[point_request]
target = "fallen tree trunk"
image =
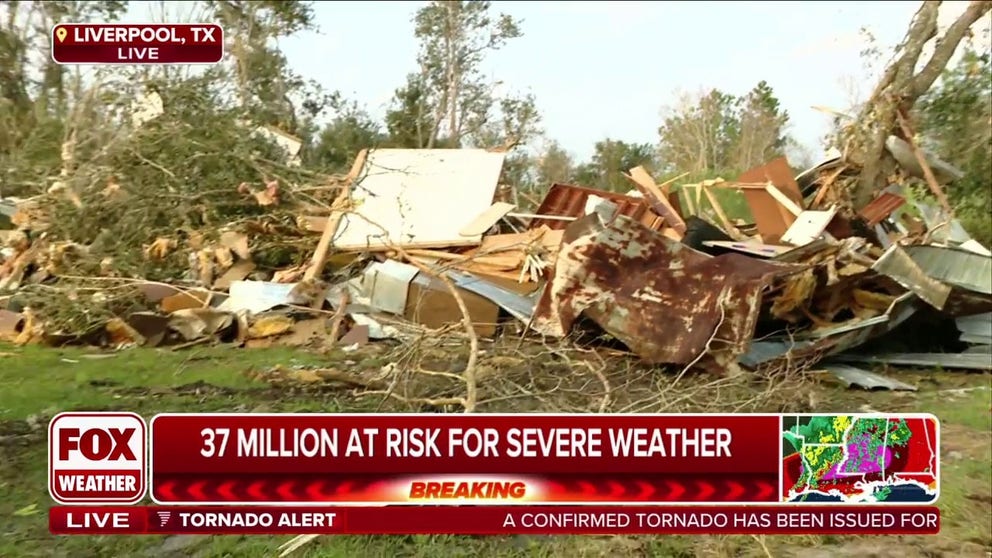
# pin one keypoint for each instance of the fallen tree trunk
(897, 91)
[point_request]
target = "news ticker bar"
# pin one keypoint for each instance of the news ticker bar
(167, 43)
(495, 520)
(521, 459)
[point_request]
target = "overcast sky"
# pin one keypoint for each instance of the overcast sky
(608, 69)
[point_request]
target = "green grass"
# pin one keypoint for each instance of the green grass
(36, 383)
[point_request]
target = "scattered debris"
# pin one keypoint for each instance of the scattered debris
(414, 242)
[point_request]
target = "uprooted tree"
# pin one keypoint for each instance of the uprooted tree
(893, 98)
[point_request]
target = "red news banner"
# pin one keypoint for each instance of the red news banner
(486, 459)
(494, 474)
(169, 43)
(532, 459)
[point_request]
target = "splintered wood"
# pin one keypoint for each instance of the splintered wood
(520, 257)
(657, 198)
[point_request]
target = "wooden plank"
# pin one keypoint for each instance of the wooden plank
(776, 171)
(771, 215)
(784, 200)
(319, 258)
(514, 241)
(688, 201)
(922, 160)
(656, 198)
(312, 223)
(501, 261)
(485, 220)
(828, 182)
(728, 226)
(666, 185)
(536, 216)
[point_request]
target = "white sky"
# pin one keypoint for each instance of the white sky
(607, 69)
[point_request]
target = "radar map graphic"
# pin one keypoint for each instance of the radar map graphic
(857, 459)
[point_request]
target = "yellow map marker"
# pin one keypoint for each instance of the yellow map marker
(60, 33)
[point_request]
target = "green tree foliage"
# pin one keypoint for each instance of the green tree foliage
(717, 131)
(265, 85)
(554, 165)
(611, 157)
(955, 118)
(449, 102)
(37, 96)
(334, 148)
(409, 121)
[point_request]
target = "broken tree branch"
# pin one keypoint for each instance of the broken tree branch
(470, 401)
(946, 45)
(320, 254)
(897, 90)
(922, 160)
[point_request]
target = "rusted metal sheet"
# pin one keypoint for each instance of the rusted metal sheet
(667, 302)
(570, 201)
(880, 208)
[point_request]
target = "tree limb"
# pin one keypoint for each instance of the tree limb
(927, 14)
(946, 46)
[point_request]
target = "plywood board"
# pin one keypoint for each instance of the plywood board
(487, 219)
(419, 198)
(771, 218)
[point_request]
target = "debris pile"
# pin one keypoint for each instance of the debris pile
(413, 242)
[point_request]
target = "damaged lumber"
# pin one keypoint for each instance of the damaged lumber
(413, 242)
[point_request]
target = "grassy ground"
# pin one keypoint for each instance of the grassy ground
(36, 383)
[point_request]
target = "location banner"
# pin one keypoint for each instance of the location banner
(496, 520)
(532, 458)
(165, 43)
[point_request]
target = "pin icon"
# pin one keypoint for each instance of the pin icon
(60, 33)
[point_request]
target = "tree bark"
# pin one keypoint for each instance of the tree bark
(453, 39)
(898, 89)
(946, 45)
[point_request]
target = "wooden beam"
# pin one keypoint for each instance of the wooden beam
(728, 226)
(656, 198)
(922, 160)
(319, 259)
(783, 199)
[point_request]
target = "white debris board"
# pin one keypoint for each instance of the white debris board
(419, 198)
(809, 226)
